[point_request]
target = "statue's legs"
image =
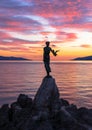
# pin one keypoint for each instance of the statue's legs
(47, 67)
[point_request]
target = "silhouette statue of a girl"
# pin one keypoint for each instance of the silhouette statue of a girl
(46, 57)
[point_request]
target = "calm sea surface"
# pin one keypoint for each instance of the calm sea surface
(73, 78)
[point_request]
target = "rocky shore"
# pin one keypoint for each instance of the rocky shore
(46, 112)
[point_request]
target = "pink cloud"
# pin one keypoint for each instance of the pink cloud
(69, 13)
(65, 37)
(71, 36)
(4, 35)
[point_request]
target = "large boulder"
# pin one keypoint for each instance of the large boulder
(24, 101)
(20, 110)
(46, 102)
(47, 96)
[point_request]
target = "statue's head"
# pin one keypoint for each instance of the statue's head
(47, 43)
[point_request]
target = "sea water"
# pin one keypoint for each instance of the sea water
(73, 78)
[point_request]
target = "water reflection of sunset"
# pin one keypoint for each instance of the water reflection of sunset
(74, 81)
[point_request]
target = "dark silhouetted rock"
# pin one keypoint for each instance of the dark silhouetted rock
(32, 124)
(47, 97)
(64, 102)
(24, 101)
(21, 109)
(72, 109)
(46, 112)
(85, 115)
(4, 115)
(4, 118)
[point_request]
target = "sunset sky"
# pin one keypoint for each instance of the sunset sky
(25, 25)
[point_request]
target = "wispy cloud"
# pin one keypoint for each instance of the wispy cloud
(86, 46)
(31, 22)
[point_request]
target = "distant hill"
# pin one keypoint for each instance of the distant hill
(84, 58)
(12, 58)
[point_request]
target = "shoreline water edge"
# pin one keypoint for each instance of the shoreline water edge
(46, 112)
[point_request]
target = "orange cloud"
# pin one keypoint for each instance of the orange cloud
(86, 46)
(26, 24)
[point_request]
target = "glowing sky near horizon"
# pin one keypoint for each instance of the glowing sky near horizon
(25, 25)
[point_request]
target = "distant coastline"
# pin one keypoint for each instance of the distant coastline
(83, 58)
(13, 58)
